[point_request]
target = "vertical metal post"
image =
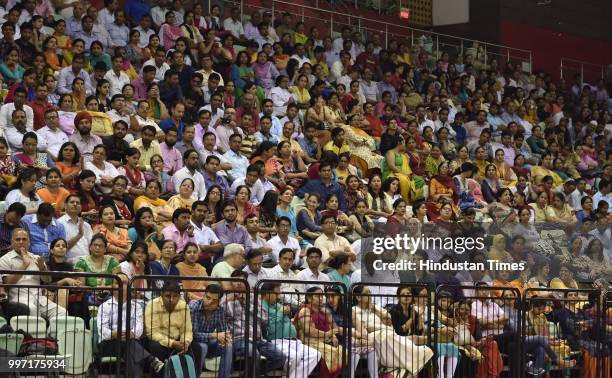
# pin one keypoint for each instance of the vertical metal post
(317, 4)
(411, 37)
(508, 50)
(359, 24)
(560, 73)
(241, 11)
(581, 74)
(272, 13)
(386, 35)
(437, 46)
(331, 26)
(485, 54)
(461, 51)
(530, 63)
(302, 14)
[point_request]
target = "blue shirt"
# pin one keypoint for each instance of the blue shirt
(323, 191)
(202, 328)
(41, 238)
(239, 164)
(119, 34)
(460, 133)
(168, 123)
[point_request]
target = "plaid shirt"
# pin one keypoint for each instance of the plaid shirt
(202, 327)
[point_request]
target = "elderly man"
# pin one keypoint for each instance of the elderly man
(19, 259)
(233, 258)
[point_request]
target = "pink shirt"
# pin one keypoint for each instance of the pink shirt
(172, 233)
(173, 161)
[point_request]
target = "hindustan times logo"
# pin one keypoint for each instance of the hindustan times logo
(409, 243)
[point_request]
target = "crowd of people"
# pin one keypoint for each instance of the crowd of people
(158, 139)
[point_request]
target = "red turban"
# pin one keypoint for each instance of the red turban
(81, 116)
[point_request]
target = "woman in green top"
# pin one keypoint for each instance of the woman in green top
(97, 262)
(98, 55)
(340, 269)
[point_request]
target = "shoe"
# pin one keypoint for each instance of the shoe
(532, 370)
(157, 365)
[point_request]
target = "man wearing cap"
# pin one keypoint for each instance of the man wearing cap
(233, 258)
(84, 139)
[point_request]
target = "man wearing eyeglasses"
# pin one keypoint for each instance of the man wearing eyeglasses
(330, 243)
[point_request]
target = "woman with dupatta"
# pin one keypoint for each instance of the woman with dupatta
(317, 329)
(504, 173)
(443, 185)
(393, 350)
(396, 164)
(490, 184)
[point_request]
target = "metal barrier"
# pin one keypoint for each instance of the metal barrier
(296, 328)
(389, 329)
(434, 43)
(56, 325)
(307, 321)
(198, 316)
(477, 330)
(561, 330)
(606, 324)
(589, 72)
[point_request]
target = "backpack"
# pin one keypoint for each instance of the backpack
(38, 346)
(180, 366)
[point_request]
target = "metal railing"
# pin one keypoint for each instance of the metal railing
(589, 72)
(436, 43)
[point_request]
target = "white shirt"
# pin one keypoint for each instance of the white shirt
(51, 140)
(116, 81)
(108, 322)
(277, 273)
(6, 116)
(159, 71)
(575, 199)
(234, 27)
(158, 14)
(198, 180)
(81, 248)
(15, 195)
(144, 36)
(280, 98)
(105, 17)
(257, 190)
(253, 278)
(370, 91)
(204, 235)
(308, 275)
(488, 310)
(600, 197)
(109, 171)
(276, 244)
(301, 60)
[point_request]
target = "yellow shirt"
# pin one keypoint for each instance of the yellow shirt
(164, 327)
(330, 146)
(146, 153)
(539, 172)
(323, 65)
(295, 146)
(303, 96)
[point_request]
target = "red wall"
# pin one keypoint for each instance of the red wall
(549, 46)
